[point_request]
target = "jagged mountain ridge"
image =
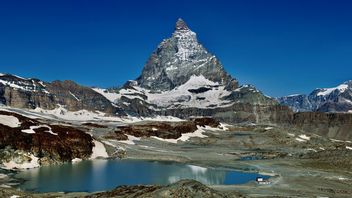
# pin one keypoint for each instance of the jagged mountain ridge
(336, 99)
(33, 93)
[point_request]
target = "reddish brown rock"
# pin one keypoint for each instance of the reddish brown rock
(69, 143)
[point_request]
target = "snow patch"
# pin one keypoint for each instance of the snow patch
(348, 147)
(33, 163)
(98, 150)
(112, 97)
(10, 121)
(130, 140)
(73, 95)
(291, 134)
(304, 137)
(224, 126)
(31, 129)
(75, 160)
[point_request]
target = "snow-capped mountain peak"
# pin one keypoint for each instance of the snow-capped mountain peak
(178, 58)
(181, 25)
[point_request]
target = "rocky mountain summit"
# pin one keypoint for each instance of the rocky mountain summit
(181, 78)
(336, 99)
(178, 58)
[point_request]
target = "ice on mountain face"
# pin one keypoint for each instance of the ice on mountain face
(112, 97)
(340, 88)
(20, 83)
(197, 92)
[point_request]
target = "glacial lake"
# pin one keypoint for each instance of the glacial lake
(99, 175)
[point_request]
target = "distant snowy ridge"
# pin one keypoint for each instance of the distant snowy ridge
(336, 99)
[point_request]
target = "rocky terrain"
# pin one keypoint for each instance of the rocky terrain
(183, 188)
(28, 143)
(336, 99)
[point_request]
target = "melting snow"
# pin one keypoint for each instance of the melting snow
(31, 129)
(98, 150)
(348, 147)
(291, 134)
(130, 140)
(185, 136)
(303, 136)
(10, 121)
(32, 164)
(74, 96)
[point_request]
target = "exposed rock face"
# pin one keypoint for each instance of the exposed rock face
(183, 188)
(50, 143)
(165, 130)
(332, 125)
(31, 93)
(337, 99)
(178, 58)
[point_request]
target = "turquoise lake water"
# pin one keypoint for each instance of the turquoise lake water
(99, 175)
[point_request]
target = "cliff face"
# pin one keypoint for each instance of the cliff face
(332, 125)
(49, 143)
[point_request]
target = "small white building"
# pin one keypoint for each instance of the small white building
(262, 181)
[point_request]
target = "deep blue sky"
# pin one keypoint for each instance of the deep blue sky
(282, 47)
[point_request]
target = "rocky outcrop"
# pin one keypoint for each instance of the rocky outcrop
(165, 130)
(50, 143)
(32, 93)
(183, 188)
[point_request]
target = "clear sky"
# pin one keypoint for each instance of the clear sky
(282, 47)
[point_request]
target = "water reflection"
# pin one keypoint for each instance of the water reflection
(107, 174)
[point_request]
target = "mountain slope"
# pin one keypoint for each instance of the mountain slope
(336, 99)
(33, 93)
